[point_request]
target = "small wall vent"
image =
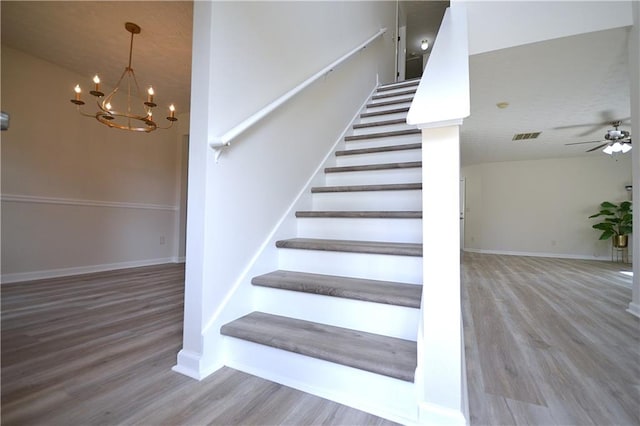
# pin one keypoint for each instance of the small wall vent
(525, 136)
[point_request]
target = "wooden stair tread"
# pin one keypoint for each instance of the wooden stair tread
(380, 123)
(408, 146)
(399, 85)
(369, 167)
(391, 95)
(387, 103)
(361, 188)
(385, 112)
(387, 292)
(383, 134)
(351, 246)
(388, 356)
(414, 214)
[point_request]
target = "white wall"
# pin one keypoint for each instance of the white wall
(497, 25)
(245, 55)
(541, 207)
(634, 73)
(76, 195)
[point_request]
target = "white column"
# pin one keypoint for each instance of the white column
(441, 349)
(634, 77)
(190, 357)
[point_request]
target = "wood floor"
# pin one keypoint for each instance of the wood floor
(548, 342)
(98, 349)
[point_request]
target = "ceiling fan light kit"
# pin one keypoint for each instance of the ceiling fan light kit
(134, 117)
(615, 141)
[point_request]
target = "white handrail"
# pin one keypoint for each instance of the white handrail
(225, 140)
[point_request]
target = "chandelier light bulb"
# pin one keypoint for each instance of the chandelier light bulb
(424, 45)
(626, 147)
(108, 106)
(96, 91)
(172, 113)
(616, 147)
(608, 150)
(77, 100)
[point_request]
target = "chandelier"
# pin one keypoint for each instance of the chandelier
(132, 112)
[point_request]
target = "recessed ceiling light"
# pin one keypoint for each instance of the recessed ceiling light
(502, 105)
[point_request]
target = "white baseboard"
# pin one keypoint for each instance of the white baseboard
(634, 309)
(537, 254)
(79, 270)
(190, 364)
(432, 414)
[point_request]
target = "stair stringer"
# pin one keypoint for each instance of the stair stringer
(238, 300)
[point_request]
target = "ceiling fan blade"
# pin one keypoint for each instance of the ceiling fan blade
(580, 143)
(597, 147)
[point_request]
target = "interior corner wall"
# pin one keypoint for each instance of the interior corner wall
(541, 207)
(77, 196)
(246, 55)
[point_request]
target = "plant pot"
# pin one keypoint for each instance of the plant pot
(620, 241)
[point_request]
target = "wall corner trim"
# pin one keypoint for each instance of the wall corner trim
(634, 309)
(17, 198)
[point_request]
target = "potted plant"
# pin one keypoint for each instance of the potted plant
(617, 223)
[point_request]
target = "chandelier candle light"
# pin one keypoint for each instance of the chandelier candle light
(135, 118)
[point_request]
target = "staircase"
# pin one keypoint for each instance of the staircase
(339, 318)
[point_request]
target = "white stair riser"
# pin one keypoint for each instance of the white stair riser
(369, 317)
(397, 89)
(402, 156)
(391, 230)
(380, 395)
(375, 118)
(397, 97)
(377, 108)
(379, 129)
(384, 141)
(368, 200)
(374, 177)
(406, 269)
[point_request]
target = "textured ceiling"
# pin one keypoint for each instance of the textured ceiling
(568, 89)
(89, 38)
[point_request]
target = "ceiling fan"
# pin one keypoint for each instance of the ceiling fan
(615, 140)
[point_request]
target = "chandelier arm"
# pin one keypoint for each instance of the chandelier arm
(84, 113)
(124, 120)
(165, 128)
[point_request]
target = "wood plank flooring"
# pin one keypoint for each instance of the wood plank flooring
(548, 342)
(98, 349)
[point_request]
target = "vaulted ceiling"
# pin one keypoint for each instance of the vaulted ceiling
(566, 88)
(88, 37)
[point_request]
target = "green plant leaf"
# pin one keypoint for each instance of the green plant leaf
(625, 206)
(606, 235)
(607, 205)
(603, 226)
(625, 229)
